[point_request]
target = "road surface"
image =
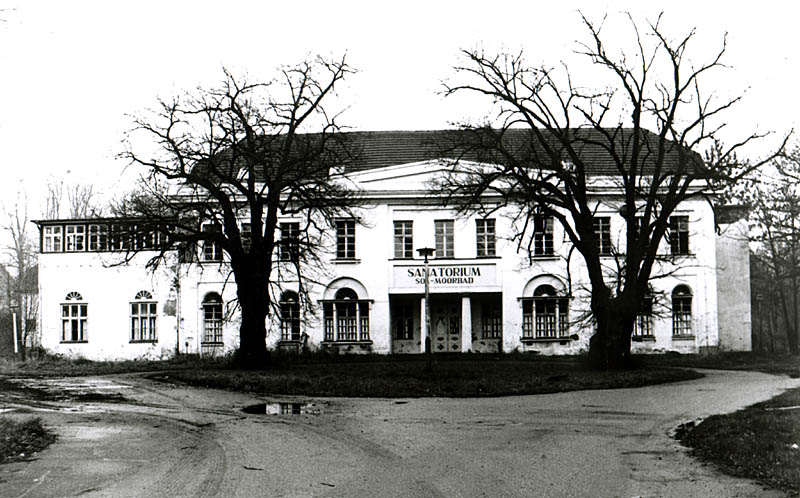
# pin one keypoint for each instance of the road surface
(168, 441)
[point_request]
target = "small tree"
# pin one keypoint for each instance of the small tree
(564, 127)
(243, 155)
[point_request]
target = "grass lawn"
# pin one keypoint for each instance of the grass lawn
(21, 440)
(760, 442)
(456, 376)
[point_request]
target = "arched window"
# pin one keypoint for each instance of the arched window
(290, 316)
(212, 318)
(681, 311)
(74, 317)
(346, 317)
(545, 315)
(144, 313)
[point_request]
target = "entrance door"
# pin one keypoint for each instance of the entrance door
(445, 325)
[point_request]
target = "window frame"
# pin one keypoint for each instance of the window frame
(289, 242)
(444, 237)
(75, 314)
(211, 251)
(601, 227)
(682, 298)
(679, 235)
(52, 236)
(543, 235)
(346, 318)
(346, 238)
(290, 317)
(486, 238)
(213, 319)
(541, 324)
(403, 239)
(147, 321)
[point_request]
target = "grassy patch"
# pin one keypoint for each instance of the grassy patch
(410, 377)
(22, 440)
(756, 442)
(758, 362)
(55, 365)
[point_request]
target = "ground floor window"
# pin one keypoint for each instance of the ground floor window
(143, 318)
(290, 316)
(643, 326)
(212, 318)
(74, 316)
(403, 321)
(544, 316)
(346, 317)
(491, 321)
(682, 311)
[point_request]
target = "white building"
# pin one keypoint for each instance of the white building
(485, 295)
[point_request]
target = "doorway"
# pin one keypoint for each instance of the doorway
(445, 324)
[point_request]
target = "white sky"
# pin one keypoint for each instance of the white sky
(71, 71)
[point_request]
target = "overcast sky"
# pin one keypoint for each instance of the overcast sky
(72, 71)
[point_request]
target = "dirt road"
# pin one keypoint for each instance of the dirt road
(158, 440)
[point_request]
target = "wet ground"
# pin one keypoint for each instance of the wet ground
(129, 436)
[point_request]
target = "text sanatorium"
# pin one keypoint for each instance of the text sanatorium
(446, 275)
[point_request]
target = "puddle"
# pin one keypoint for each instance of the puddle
(282, 408)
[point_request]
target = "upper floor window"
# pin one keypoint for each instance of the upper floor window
(346, 239)
(485, 237)
(52, 239)
(246, 234)
(290, 316)
(98, 237)
(289, 245)
(74, 239)
(403, 239)
(143, 317)
(542, 235)
(445, 238)
(74, 316)
(679, 234)
(602, 234)
(212, 251)
(681, 310)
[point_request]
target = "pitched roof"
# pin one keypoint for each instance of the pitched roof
(365, 150)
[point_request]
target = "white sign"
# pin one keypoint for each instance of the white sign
(447, 276)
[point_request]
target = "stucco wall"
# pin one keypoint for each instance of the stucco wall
(733, 288)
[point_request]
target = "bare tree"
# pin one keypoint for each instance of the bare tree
(21, 267)
(81, 200)
(244, 155)
(566, 127)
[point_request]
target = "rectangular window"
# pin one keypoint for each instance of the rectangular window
(246, 234)
(679, 235)
(98, 237)
(143, 322)
(52, 239)
(74, 240)
(403, 240)
(73, 322)
(346, 239)
(212, 322)
(212, 251)
(444, 235)
(346, 320)
(545, 318)
(602, 234)
(492, 322)
(290, 320)
(643, 326)
(289, 245)
(485, 238)
(403, 321)
(542, 235)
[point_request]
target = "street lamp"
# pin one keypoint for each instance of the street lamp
(425, 252)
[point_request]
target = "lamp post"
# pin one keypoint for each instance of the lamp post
(425, 252)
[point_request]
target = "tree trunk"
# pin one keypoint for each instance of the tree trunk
(610, 346)
(254, 305)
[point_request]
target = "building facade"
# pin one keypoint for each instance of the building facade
(486, 293)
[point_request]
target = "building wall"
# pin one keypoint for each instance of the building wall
(733, 277)
(402, 194)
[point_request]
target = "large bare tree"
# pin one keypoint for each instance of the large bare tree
(243, 155)
(646, 122)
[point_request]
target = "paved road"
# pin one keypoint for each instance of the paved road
(166, 441)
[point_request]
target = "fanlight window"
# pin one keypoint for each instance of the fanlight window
(144, 314)
(74, 318)
(212, 318)
(346, 317)
(545, 315)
